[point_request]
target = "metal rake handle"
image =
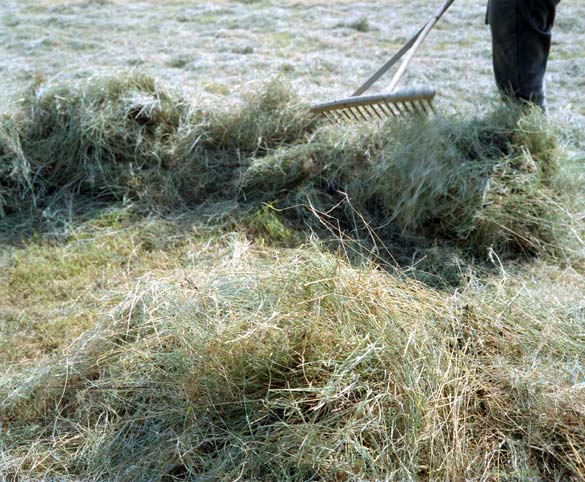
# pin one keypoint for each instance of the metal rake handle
(431, 23)
(413, 44)
(374, 78)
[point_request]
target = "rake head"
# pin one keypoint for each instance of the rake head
(411, 102)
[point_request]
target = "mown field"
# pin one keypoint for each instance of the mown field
(201, 282)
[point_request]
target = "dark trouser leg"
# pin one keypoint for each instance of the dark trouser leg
(521, 37)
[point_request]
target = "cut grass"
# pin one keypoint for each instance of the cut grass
(295, 366)
(147, 350)
(126, 137)
(209, 357)
(53, 290)
(482, 184)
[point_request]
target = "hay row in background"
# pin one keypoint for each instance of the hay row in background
(481, 183)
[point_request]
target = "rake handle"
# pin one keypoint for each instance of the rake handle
(382, 70)
(418, 42)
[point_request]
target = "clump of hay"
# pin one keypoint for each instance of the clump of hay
(482, 183)
(217, 144)
(108, 137)
(129, 137)
(269, 118)
(295, 366)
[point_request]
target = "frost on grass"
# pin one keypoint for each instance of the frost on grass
(295, 366)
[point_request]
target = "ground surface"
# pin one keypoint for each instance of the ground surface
(326, 48)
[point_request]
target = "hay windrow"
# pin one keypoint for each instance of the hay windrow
(481, 184)
(215, 287)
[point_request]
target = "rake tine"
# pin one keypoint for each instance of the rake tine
(379, 112)
(371, 111)
(408, 109)
(376, 109)
(328, 116)
(359, 109)
(393, 107)
(396, 107)
(338, 117)
(373, 115)
(333, 118)
(384, 110)
(427, 105)
(421, 106)
(355, 117)
(416, 108)
(367, 112)
(430, 102)
(346, 115)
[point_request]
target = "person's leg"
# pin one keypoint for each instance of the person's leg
(521, 38)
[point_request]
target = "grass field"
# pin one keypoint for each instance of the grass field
(197, 282)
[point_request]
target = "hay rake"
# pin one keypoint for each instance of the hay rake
(360, 107)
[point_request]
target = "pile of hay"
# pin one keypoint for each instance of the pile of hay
(294, 366)
(240, 362)
(480, 184)
(127, 137)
